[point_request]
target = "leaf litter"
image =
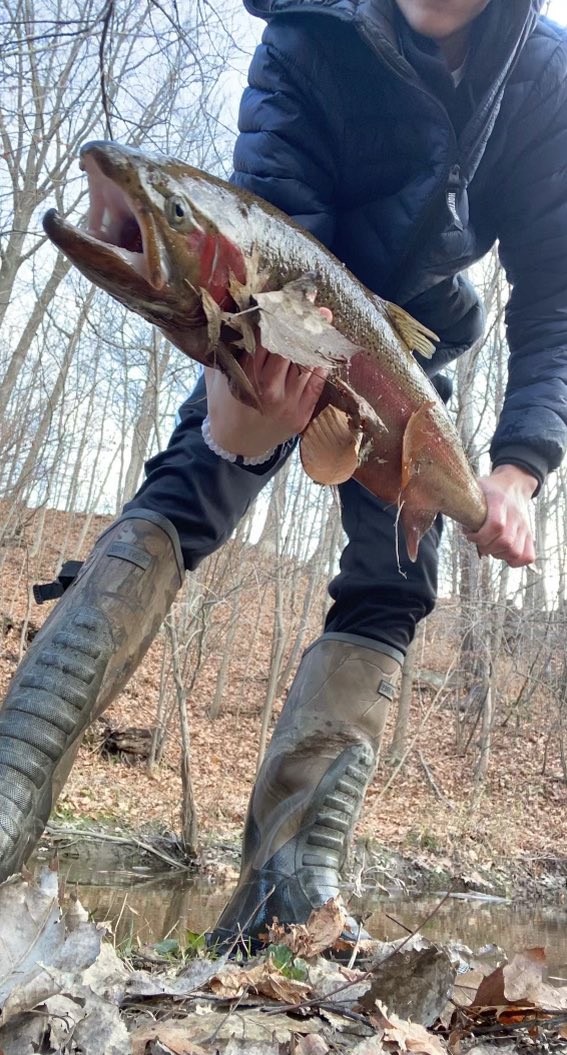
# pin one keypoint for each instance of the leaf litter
(65, 991)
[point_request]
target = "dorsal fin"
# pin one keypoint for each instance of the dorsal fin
(415, 336)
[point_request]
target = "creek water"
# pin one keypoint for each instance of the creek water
(144, 906)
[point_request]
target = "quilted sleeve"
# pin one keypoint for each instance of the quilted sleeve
(532, 431)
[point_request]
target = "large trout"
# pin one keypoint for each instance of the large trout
(213, 267)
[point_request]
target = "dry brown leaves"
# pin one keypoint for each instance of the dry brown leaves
(264, 978)
(520, 984)
(320, 933)
(402, 1036)
(169, 1037)
(513, 1000)
(312, 1045)
(211, 1031)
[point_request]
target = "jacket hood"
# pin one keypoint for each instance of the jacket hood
(350, 10)
(508, 24)
(501, 37)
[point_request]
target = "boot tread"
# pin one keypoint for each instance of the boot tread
(31, 764)
(48, 707)
(67, 664)
(340, 821)
(49, 681)
(321, 838)
(13, 791)
(41, 734)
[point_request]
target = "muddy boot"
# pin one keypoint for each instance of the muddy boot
(79, 661)
(310, 788)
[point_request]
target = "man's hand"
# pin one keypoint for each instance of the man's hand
(506, 532)
(289, 396)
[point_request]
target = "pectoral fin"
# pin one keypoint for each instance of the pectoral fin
(213, 315)
(329, 447)
(415, 336)
(240, 384)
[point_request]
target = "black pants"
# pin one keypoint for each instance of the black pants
(377, 594)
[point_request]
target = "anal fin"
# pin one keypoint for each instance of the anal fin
(417, 435)
(417, 503)
(415, 523)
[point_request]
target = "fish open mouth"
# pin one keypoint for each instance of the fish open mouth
(116, 238)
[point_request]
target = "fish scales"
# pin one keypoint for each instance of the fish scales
(210, 265)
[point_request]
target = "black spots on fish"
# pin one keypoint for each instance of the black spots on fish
(243, 210)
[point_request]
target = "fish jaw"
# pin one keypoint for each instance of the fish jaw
(127, 247)
(118, 246)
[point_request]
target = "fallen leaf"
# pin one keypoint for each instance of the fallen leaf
(371, 1046)
(61, 970)
(253, 1026)
(100, 1030)
(141, 984)
(32, 928)
(24, 1035)
(263, 978)
(245, 1047)
(408, 1036)
(343, 985)
(312, 1045)
(520, 983)
(466, 986)
(413, 979)
(293, 327)
(490, 992)
(490, 1048)
(320, 933)
(170, 1037)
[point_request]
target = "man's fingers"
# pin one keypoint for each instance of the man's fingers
(491, 530)
(515, 546)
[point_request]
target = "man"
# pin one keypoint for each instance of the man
(408, 137)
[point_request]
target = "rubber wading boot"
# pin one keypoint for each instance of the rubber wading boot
(310, 788)
(78, 662)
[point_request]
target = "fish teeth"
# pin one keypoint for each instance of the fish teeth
(105, 222)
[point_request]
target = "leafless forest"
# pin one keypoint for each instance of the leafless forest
(89, 391)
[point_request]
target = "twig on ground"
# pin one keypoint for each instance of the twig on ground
(125, 840)
(431, 781)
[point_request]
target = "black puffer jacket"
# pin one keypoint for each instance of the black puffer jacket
(341, 132)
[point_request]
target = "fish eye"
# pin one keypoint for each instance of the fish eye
(179, 214)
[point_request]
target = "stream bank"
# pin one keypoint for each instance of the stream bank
(121, 877)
